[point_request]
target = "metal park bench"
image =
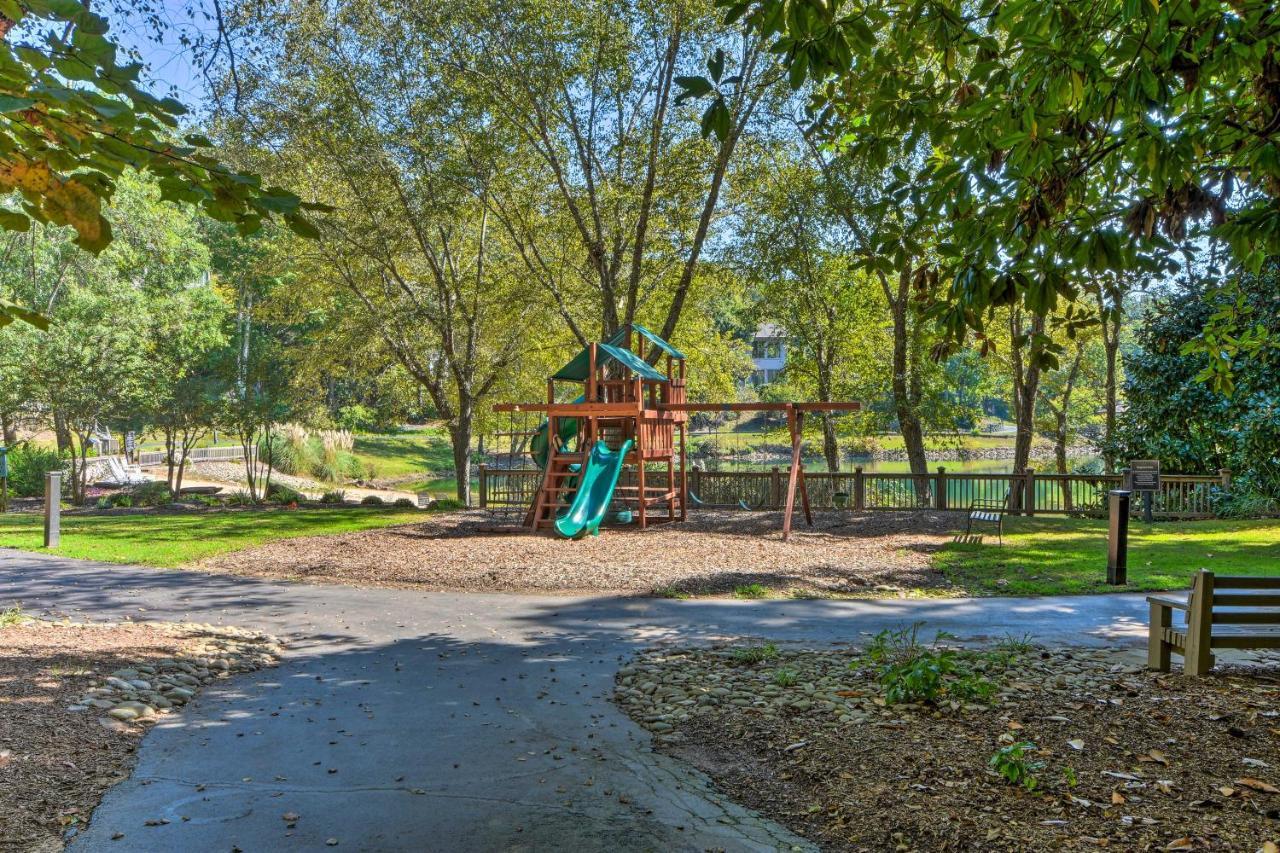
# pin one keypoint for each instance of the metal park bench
(1221, 612)
(988, 512)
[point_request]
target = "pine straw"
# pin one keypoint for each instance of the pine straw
(713, 552)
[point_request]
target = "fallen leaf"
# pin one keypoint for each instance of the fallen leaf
(1254, 762)
(5, 757)
(1227, 791)
(1258, 785)
(1076, 743)
(1154, 756)
(1117, 799)
(1180, 844)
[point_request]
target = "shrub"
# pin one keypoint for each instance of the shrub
(240, 497)
(372, 500)
(334, 496)
(1244, 502)
(282, 494)
(404, 503)
(155, 493)
(122, 500)
(1012, 763)
(27, 466)
(910, 671)
(357, 418)
(447, 504)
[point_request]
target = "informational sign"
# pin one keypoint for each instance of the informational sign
(1144, 474)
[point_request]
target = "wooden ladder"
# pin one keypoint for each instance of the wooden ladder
(552, 494)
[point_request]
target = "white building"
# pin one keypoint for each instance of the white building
(768, 353)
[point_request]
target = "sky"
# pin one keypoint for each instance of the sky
(173, 70)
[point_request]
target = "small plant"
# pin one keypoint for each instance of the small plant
(240, 498)
(448, 504)
(1012, 763)
(785, 677)
(404, 503)
(122, 500)
(911, 671)
(372, 500)
(751, 590)
(670, 592)
(1069, 774)
(282, 494)
(155, 493)
(755, 654)
(12, 616)
(334, 496)
(1016, 645)
(103, 502)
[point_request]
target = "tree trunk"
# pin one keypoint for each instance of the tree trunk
(10, 429)
(1026, 383)
(460, 434)
(1112, 345)
(62, 432)
(1060, 452)
(903, 402)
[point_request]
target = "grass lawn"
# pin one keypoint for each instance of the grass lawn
(417, 451)
(171, 540)
(1052, 556)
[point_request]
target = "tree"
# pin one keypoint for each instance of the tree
(1175, 416)
(797, 253)
(1067, 138)
(76, 119)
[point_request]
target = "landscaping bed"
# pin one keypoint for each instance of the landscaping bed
(1123, 758)
(713, 552)
(75, 700)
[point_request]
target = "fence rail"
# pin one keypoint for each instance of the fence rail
(1180, 495)
(197, 454)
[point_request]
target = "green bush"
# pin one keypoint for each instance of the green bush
(372, 500)
(357, 418)
(404, 503)
(447, 504)
(155, 493)
(289, 454)
(240, 497)
(910, 671)
(27, 466)
(282, 494)
(334, 496)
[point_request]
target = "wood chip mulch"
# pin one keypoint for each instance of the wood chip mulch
(1124, 759)
(56, 764)
(712, 552)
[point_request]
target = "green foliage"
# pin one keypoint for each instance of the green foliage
(751, 590)
(1040, 139)
(1175, 416)
(404, 503)
(78, 119)
(750, 655)
(671, 592)
(372, 500)
(11, 617)
(281, 494)
(357, 417)
(240, 497)
(334, 496)
(1012, 763)
(447, 504)
(785, 677)
(155, 493)
(911, 671)
(28, 464)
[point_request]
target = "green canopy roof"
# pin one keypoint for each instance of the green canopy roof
(577, 369)
(620, 336)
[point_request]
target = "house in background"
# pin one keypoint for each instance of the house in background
(768, 353)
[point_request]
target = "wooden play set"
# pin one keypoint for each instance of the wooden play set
(631, 412)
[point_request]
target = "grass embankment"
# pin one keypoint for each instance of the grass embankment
(169, 540)
(414, 451)
(1057, 556)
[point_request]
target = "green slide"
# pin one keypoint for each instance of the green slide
(595, 491)
(538, 444)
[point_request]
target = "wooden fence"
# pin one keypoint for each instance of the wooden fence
(1180, 495)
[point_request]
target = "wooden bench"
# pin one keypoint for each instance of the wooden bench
(988, 512)
(1221, 612)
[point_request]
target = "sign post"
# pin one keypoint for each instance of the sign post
(131, 447)
(1118, 539)
(52, 509)
(1144, 477)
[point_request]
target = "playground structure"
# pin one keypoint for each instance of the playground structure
(631, 411)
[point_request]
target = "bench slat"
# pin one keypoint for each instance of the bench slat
(1246, 617)
(1177, 603)
(1245, 641)
(1244, 582)
(1245, 599)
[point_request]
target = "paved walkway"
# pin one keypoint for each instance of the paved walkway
(401, 720)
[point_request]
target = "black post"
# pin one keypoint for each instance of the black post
(1118, 539)
(1148, 499)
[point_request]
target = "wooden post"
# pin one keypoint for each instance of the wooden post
(1029, 492)
(1157, 648)
(940, 493)
(52, 509)
(484, 485)
(1198, 655)
(793, 475)
(775, 488)
(684, 475)
(1118, 538)
(859, 489)
(800, 478)
(697, 483)
(1224, 474)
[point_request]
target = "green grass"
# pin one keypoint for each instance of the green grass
(1054, 556)
(417, 451)
(173, 540)
(751, 590)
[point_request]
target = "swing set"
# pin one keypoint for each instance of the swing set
(630, 412)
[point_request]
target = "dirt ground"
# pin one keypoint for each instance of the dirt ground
(713, 552)
(1123, 758)
(56, 763)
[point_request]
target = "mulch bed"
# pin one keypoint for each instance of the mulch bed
(1131, 760)
(713, 552)
(55, 764)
